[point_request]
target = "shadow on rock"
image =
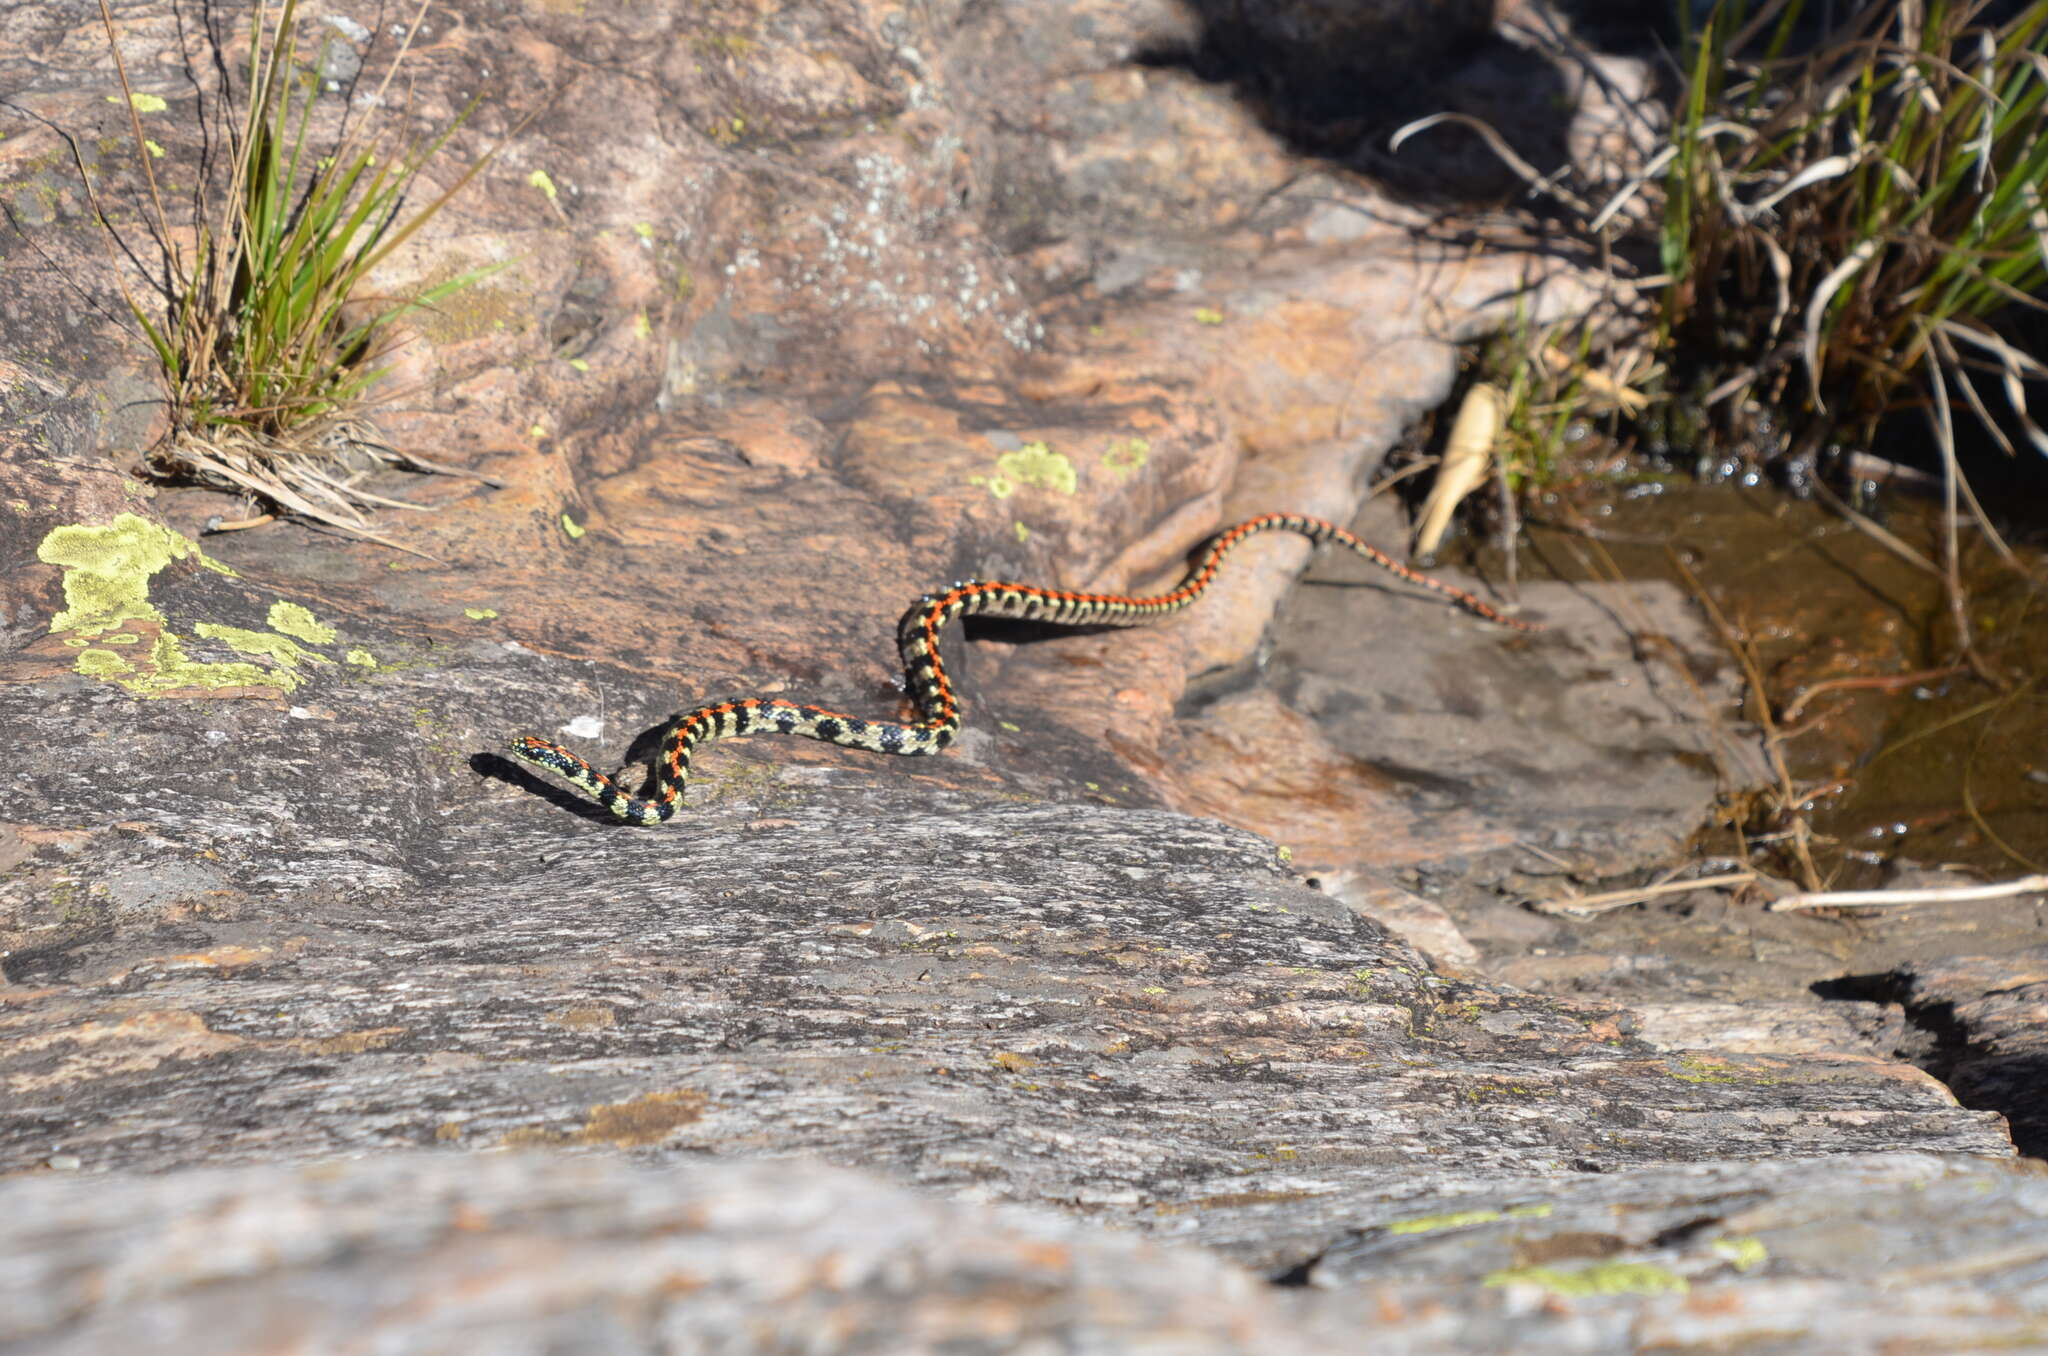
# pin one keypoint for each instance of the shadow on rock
(499, 768)
(1334, 81)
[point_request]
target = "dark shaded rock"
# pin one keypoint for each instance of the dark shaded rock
(1988, 1016)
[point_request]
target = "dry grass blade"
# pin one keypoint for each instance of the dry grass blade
(1883, 537)
(2015, 367)
(1829, 167)
(1884, 682)
(1970, 806)
(1789, 799)
(1588, 906)
(1528, 173)
(1816, 308)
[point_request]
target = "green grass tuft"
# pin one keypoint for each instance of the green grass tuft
(265, 336)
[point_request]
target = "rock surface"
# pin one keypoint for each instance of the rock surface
(810, 310)
(520, 1254)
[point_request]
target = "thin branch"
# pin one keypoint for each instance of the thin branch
(1890, 899)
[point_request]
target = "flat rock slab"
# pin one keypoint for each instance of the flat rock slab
(528, 1253)
(1116, 1010)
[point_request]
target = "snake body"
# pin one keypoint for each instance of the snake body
(932, 696)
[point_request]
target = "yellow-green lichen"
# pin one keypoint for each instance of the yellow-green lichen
(107, 574)
(1125, 456)
(175, 671)
(573, 528)
(283, 651)
(1602, 1278)
(540, 180)
(103, 664)
(362, 659)
(1705, 1069)
(480, 613)
(1741, 1253)
(292, 620)
(735, 45)
(1035, 466)
(107, 570)
(1456, 1219)
(142, 103)
(1208, 315)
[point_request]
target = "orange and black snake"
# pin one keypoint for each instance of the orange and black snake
(917, 637)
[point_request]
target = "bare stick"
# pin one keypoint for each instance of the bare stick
(1885, 899)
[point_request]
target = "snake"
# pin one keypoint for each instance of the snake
(924, 672)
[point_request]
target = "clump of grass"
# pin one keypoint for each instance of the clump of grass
(1846, 227)
(266, 340)
(1841, 226)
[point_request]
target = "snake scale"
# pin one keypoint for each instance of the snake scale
(932, 696)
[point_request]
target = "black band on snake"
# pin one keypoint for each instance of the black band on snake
(917, 636)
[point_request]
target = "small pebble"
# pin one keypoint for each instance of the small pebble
(65, 1163)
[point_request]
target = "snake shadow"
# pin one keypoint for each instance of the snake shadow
(499, 768)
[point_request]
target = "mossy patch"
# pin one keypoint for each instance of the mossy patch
(1455, 1219)
(1714, 1069)
(1462, 1219)
(636, 1124)
(1741, 1253)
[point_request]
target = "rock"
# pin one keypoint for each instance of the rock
(1990, 1015)
(809, 311)
(516, 1253)
(1050, 1004)
(526, 1253)
(1883, 1253)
